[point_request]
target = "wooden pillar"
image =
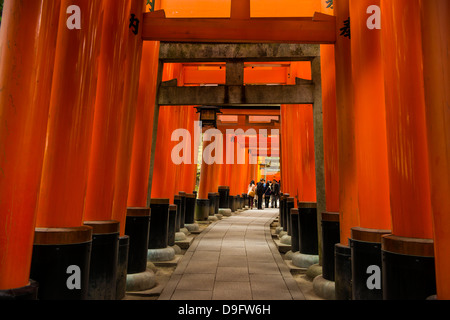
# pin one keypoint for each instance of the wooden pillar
(331, 164)
(150, 77)
(188, 171)
(71, 115)
(348, 182)
(205, 174)
(284, 148)
(66, 159)
(370, 120)
(131, 89)
(435, 18)
(27, 51)
(371, 150)
(163, 178)
(143, 130)
(109, 110)
(412, 230)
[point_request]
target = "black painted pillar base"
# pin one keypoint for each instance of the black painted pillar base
(212, 203)
(295, 242)
(202, 210)
(281, 212)
(60, 262)
(122, 267)
(172, 225)
(224, 192)
(159, 224)
(104, 257)
(28, 292)
(408, 268)
(330, 236)
(231, 203)
(182, 195)
(216, 203)
(137, 228)
(244, 198)
(365, 246)
(343, 272)
(308, 233)
(285, 217)
(177, 202)
(288, 206)
(190, 209)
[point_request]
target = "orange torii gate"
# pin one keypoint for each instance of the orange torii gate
(325, 28)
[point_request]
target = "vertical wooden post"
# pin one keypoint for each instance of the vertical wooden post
(127, 125)
(435, 19)
(27, 51)
(71, 115)
(150, 76)
(371, 150)
(109, 110)
(66, 160)
(348, 182)
(409, 250)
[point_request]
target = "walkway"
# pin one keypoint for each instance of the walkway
(234, 259)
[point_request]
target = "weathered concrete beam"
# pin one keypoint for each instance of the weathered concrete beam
(217, 52)
(319, 149)
(236, 95)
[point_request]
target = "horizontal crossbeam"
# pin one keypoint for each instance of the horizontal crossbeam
(318, 30)
(247, 52)
(236, 95)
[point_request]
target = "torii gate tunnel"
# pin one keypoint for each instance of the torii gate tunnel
(98, 99)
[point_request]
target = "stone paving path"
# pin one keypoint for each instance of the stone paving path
(234, 259)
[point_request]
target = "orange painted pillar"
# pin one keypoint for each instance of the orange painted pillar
(371, 149)
(26, 69)
(348, 182)
(294, 153)
(435, 18)
(187, 118)
(410, 246)
(284, 149)
(308, 167)
(215, 177)
(370, 120)
(329, 127)
(228, 159)
(66, 160)
(205, 186)
(301, 162)
(234, 167)
(109, 110)
(164, 170)
(143, 130)
(179, 167)
(144, 124)
(69, 134)
(189, 171)
(224, 167)
(245, 177)
(329, 219)
(205, 174)
(132, 74)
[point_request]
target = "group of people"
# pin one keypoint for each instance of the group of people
(269, 192)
